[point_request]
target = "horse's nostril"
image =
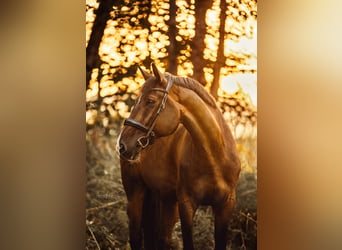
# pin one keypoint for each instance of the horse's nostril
(122, 148)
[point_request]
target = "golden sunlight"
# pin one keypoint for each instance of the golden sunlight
(248, 82)
(123, 46)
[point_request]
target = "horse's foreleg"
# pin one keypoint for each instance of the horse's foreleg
(168, 217)
(187, 210)
(223, 213)
(149, 220)
(134, 212)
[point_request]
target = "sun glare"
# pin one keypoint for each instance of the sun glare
(248, 82)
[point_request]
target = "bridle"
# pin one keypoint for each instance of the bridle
(148, 138)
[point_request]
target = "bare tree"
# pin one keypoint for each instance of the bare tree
(220, 58)
(198, 45)
(172, 32)
(92, 51)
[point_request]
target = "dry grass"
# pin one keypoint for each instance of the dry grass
(107, 222)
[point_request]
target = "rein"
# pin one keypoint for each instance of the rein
(148, 138)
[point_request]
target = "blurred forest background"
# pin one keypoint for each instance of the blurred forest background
(212, 41)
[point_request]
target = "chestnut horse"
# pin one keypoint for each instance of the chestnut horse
(176, 151)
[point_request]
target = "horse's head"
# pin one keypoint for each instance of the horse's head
(155, 114)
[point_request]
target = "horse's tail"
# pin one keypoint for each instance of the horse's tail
(150, 220)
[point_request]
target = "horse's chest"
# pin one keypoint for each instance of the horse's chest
(159, 177)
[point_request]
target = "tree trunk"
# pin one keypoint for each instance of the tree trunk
(220, 58)
(198, 45)
(92, 51)
(172, 48)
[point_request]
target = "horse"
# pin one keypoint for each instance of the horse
(176, 153)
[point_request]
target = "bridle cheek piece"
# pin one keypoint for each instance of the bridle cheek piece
(148, 138)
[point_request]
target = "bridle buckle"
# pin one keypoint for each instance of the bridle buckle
(145, 140)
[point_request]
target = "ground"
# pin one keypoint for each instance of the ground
(106, 219)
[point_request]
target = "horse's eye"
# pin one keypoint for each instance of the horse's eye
(151, 101)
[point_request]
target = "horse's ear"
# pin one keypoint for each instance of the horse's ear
(160, 77)
(145, 74)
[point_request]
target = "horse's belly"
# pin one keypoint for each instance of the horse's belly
(207, 191)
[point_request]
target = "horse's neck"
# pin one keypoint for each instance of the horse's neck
(201, 122)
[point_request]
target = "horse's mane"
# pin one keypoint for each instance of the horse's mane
(193, 85)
